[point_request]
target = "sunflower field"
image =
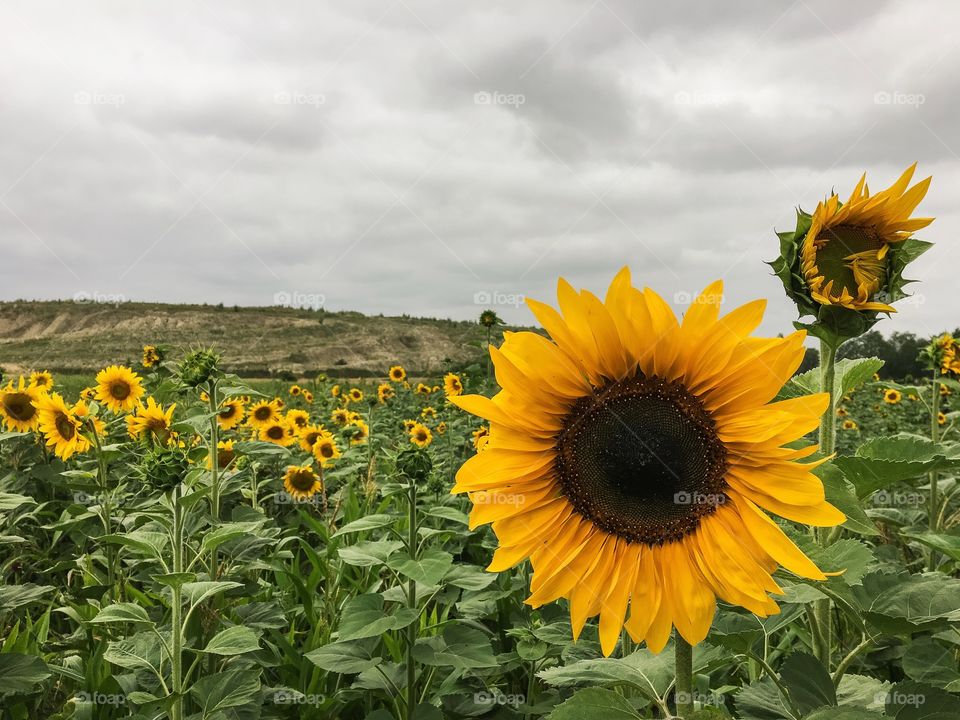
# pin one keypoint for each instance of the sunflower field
(626, 515)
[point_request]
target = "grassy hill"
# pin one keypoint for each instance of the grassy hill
(68, 337)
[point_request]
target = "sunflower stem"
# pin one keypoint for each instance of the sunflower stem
(176, 630)
(828, 443)
(214, 469)
(935, 436)
(683, 655)
(412, 602)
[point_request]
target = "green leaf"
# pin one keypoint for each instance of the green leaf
(428, 569)
(14, 596)
(949, 545)
(927, 661)
(368, 522)
(146, 544)
(20, 673)
(881, 462)
(234, 640)
(762, 701)
(175, 580)
(369, 554)
(593, 704)
(905, 603)
(122, 613)
(911, 700)
(862, 691)
(652, 674)
(469, 577)
(841, 493)
(142, 651)
(11, 501)
(363, 616)
(345, 657)
(843, 713)
(808, 681)
(448, 513)
(228, 689)
(197, 592)
(459, 647)
(227, 532)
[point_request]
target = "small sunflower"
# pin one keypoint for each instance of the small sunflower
(944, 390)
(119, 388)
(420, 435)
(340, 416)
(849, 425)
(408, 425)
(891, 396)
(480, 437)
(441, 428)
(61, 427)
(452, 385)
(428, 413)
(81, 411)
(941, 418)
(325, 450)
(355, 395)
(19, 406)
(385, 391)
(42, 380)
(298, 419)
(397, 374)
(263, 413)
(335, 391)
(88, 393)
(231, 413)
(308, 396)
(151, 421)
(277, 432)
(842, 412)
(295, 390)
(361, 432)
(309, 436)
(423, 389)
(302, 482)
(631, 459)
(225, 454)
(151, 356)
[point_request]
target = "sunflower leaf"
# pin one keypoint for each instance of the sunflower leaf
(808, 681)
(364, 616)
(593, 703)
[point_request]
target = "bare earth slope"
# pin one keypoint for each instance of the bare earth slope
(71, 337)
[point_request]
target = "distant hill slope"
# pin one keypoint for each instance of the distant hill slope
(64, 336)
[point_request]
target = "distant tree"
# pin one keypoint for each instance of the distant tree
(900, 353)
(811, 359)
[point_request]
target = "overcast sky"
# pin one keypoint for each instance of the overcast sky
(430, 157)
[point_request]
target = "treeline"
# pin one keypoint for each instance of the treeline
(900, 354)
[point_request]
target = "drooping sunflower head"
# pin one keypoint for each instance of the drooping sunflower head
(302, 482)
(19, 406)
(231, 413)
(420, 435)
(152, 355)
(325, 450)
(891, 396)
(119, 388)
(61, 428)
(298, 419)
(385, 391)
(943, 354)
(844, 263)
(263, 413)
(397, 373)
(42, 380)
(452, 385)
(151, 421)
(631, 458)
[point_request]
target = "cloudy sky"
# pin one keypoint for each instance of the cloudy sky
(431, 157)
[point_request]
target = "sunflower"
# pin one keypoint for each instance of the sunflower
(480, 437)
(849, 425)
(81, 411)
(88, 393)
(119, 388)
(420, 435)
(19, 404)
(941, 419)
(151, 356)
(302, 482)
(397, 373)
(944, 390)
(428, 413)
(295, 390)
(361, 432)
(891, 396)
(325, 450)
(225, 454)
(913, 398)
(385, 391)
(408, 425)
(152, 421)
(298, 419)
(61, 427)
(842, 412)
(631, 459)
(355, 395)
(277, 432)
(441, 428)
(335, 391)
(231, 413)
(309, 436)
(42, 380)
(423, 389)
(263, 413)
(340, 416)
(308, 396)
(452, 385)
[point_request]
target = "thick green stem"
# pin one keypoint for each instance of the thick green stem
(683, 654)
(935, 436)
(105, 509)
(412, 602)
(828, 444)
(176, 629)
(214, 469)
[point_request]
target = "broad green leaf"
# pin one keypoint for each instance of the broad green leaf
(234, 640)
(842, 494)
(459, 647)
(927, 661)
(843, 713)
(448, 513)
(369, 554)
(884, 461)
(762, 700)
(11, 501)
(949, 545)
(650, 673)
(428, 569)
(142, 651)
(364, 616)
(469, 577)
(910, 700)
(228, 689)
(122, 613)
(905, 603)
(20, 673)
(862, 691)
(594, 704)
(175, 580)
(197, 592)
(147, 544)
(227, 532)
(808, 681)
(345, 657)
(14, 596)
(368, 522)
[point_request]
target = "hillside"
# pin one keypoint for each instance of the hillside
(64, 336)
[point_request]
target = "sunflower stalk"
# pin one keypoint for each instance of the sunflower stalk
(683, 656)
(214, 468)
(105, 509)
(822, 617)
(935, 437)
(176, 629)
(412, 547)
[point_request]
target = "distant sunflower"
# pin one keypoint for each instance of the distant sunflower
(302, 482)
(944, 390)
(408, 425)
(335, 391)
(849, 425)
(340, 416)
(88, 393)
(42, 380)
(298, 419)
(423, 389)
(151, 356)
(441, 428)
(263, 413)
(355, 395)
(480, 438)
(151, 421)
(891, 396)
(420, 435)
(19, 406)
(119, 388)
(631, 458)
(61, 427)
(295, 390)
(941, 418)
(397, 373)
(309, 436)
(428, 413)
(452, 385)
(842, 412)
(325, 450)
(231, 413)
(308, 396)
(277, 432)
(361, 432)
(385, 391)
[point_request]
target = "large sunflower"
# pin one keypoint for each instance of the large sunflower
(151, 421)
(263, 413)
(119, 388)
(632, 457)
(325, 450)
(61, 427)
(18, 406)
(42, 379)
(302, 482)
(231, 413)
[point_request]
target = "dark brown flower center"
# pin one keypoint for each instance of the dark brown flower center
(263, 413)
(119, 390)
(302, 480)
(642, 460)
(835, 245)
(65, 426)
(326, 450)
(19, 407)
(275, 432)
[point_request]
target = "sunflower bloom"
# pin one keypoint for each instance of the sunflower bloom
(325, 450)
(340, 416)
(849, 425)
(231, 413)
(42, 380)
(309, 435)
(452, 385)
(277, 432)
(891, 396)
(397, 374)
(355, 395)
(151, 420)
(420, 435)
(385, 391)
(263, 413)
(631, 459)
(361, 432)
(61, 427)
(298, 419)
(225, 454)
(151, 356)
(19, 406)
(119, 388)
(480, 438)
(301, 482)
